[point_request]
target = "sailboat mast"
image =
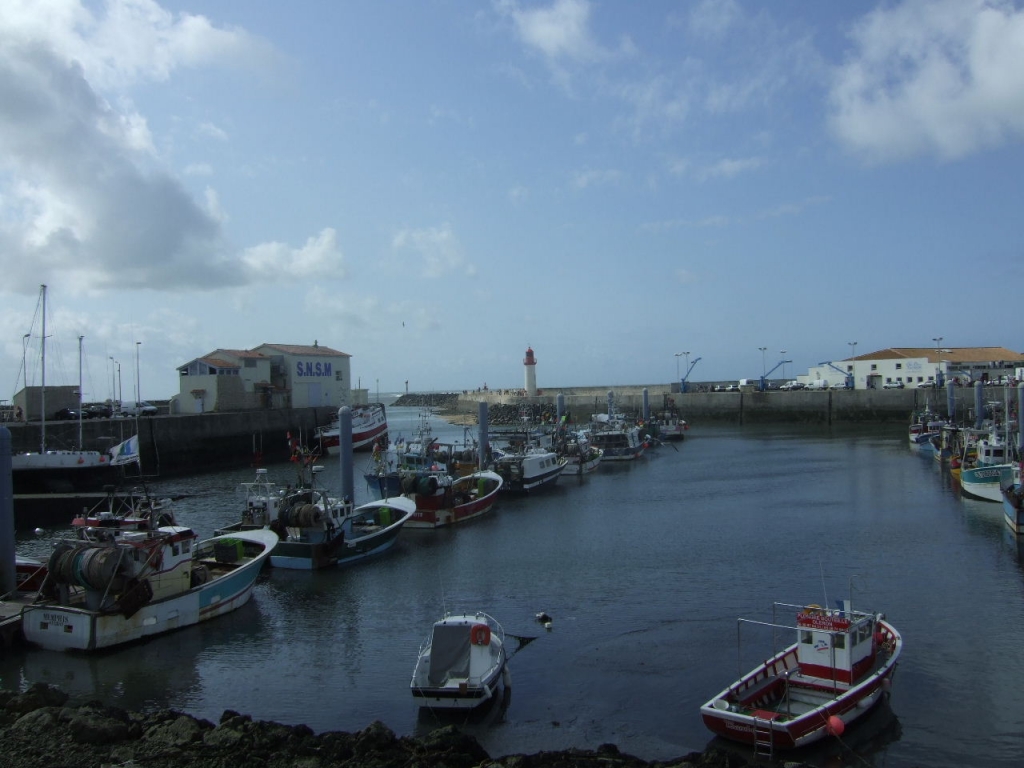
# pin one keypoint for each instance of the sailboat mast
(42, 391)
(80, 392)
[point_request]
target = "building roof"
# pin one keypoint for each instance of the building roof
(218, 362)
(949, 354)
(306, 349)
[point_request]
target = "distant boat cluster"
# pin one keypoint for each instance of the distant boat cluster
(984, 456)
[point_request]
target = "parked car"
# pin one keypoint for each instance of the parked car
(893, 385)
(69, 414)
(129, 410)
(733, 388)
(98, 411)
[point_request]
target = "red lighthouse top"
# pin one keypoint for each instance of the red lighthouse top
(529, 360)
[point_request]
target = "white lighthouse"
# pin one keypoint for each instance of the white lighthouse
(530, 369)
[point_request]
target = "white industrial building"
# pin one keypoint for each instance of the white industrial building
(918, 366)
(268, 376)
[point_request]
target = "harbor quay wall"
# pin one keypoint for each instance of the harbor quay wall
(744, 407)
(189, 443)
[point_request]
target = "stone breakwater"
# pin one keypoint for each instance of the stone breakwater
(498, 414)
(39, 730)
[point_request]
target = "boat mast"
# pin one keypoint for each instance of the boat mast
(80, 392)
(42, 391)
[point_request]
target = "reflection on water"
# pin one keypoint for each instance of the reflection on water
(644, 568)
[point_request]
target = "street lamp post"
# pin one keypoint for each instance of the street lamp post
(138, 383)
(678, 355)
(853, 349)
(783, 353)
(24, 357)
(938, 351)
(764, 366)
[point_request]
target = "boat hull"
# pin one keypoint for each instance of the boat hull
(442, 508)
(1013, 508)
(349, 548)
(71, 628)
(984, 482)
(369, 426)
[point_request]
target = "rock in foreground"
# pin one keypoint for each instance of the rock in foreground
(37, 728)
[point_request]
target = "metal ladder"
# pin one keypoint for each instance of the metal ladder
(764, 741)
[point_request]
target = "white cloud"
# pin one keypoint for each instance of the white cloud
(81, 189)
(212, 131)
(518, 194)
(198, 169)
(590, 178)
(437, 246)
(560, 31)
(943, 78)
(730, 167)
(319, 257)
(713, 18)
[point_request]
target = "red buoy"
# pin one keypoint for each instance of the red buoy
(836, 726)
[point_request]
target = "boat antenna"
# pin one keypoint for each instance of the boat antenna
(821, 567)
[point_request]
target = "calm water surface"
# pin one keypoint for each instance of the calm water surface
(644, 568)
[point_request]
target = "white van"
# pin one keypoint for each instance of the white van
(130, 410)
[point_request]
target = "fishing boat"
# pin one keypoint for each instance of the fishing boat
(394, 469)
(581, 457)
(991, 468)
(369, 424)
(461, 664)
(1013, 501)
(124, 586)
(840, 665)
(667, 422)
(315, 530)
(443, 500)
(527, 468)
(131, 510)
(617, 438)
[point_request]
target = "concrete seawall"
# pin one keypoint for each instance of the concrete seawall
(819, 407)
(188, 444)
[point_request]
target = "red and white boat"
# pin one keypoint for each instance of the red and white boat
(840, 666)
(369, 423)
(443, 500)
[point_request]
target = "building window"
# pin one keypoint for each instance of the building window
(250, 363)
(899, 366)
(874, 366)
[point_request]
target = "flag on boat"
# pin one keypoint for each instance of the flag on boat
(126, 452)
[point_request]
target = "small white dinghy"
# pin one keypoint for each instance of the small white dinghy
(462, 663)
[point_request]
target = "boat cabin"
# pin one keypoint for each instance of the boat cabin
(835, 645)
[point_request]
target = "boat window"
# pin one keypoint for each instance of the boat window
(186, 546)
(839, 640)
(806, 636)
(174, 549)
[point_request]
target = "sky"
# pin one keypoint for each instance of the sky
(432, 186)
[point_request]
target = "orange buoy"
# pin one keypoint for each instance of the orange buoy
(836, 726)
(480, 634)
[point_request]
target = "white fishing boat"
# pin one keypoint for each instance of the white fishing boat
(121, 587)
(318, 531)
(369, 425)
(581, 457)
(461, 664)
(525, 469)
(839, 667)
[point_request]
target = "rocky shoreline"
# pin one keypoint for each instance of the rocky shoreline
(39, 730)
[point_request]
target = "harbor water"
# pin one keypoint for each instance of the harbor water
(644, 569)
